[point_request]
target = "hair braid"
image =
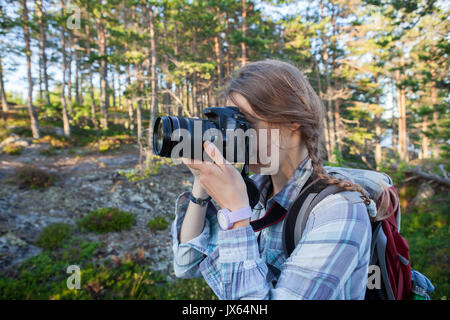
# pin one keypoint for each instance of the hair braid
(312, 144)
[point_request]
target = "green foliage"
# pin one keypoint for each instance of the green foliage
(153, 168)
(57, 142)
(41, 276)
(44, 277)
(108, 144)
(12, 149)
(397, 175)
(32, 177)
(106, 219)
(158, 223)
(426, 228)
(53, 236)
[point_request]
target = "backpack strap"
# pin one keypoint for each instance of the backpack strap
(299, 212)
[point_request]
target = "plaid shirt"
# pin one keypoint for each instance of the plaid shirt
(329, 262)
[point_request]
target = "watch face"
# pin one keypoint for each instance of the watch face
(222, 220)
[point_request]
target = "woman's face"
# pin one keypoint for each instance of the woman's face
(273, 140)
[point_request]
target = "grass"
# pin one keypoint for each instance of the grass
(158, 223)
(106, 220)
(426, 229)
(54, 236)
(129, 277)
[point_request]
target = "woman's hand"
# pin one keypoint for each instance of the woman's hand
(220, 179)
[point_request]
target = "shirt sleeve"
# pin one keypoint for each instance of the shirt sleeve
(333, 249)
(188, 255)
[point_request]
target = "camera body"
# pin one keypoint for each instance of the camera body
(224, 126)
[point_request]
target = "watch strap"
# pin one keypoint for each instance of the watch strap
(200, 202)
(239, 215)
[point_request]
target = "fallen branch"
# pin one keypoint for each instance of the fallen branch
(429, 176)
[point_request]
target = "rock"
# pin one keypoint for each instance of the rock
(16, 140)
(59, 131)
(424, 193)
(136, 198)
(14, 240)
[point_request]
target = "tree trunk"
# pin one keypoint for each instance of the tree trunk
(244, 34)
(137, 73)
(227, 36)
(436, 149)
(104, 103)
(33, 115)
(113, 79)
(128, 103)
(194, 76)
(69, 76)
(91, 83)
(402, 126)
(337, 102)
(331, 126)
(42, 47)
(378, 151)
(78, 96)
(154, 93)
(3, 100)
(65, 115)
(325, 130)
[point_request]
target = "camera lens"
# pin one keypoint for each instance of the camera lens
(159, 137)
(176, 137)
(166, 126)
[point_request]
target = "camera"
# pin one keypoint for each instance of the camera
(180, 137)
(226, 127)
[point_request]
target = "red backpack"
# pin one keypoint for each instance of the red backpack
(390, 267)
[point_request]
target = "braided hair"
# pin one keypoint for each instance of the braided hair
(279, 92)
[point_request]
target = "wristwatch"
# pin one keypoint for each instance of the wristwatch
(227, 218)
(200, 202)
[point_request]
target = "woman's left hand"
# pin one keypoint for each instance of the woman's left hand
(221, 180)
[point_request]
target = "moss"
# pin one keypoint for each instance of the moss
(158, 223)
(106, 219)
(34, 178)
(108, 145)
(56, 142)
(12, 149)
(53, 236)
(129, 277)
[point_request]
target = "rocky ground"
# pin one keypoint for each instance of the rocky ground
(84, 183)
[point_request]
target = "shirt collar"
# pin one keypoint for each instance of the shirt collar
(291, 189)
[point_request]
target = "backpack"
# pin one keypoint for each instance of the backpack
(389, 251)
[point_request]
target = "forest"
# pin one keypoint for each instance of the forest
(82, 81)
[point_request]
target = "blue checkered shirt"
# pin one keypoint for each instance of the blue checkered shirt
(329, 262)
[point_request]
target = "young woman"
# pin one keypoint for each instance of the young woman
(331, 259)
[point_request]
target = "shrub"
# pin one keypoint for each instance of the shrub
(106, 219)
(54, 236)
(55, 142)
(158, 223)
(34, 178)
(12, 149)
(108, 144)
(44, 277)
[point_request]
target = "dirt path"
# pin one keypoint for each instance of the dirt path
(84, 184)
